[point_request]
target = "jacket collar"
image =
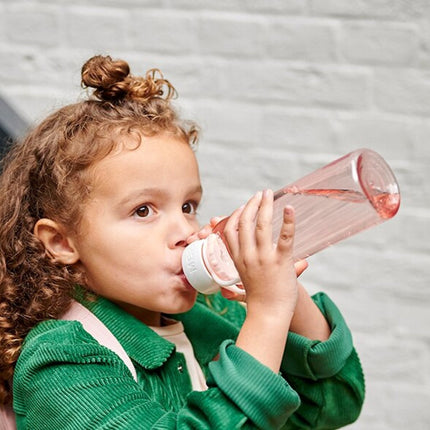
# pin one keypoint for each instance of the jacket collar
(141, 343)
(203, 324)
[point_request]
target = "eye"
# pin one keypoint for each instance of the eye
(143, 211)
(190, 208)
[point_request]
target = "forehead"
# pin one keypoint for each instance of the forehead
(153, 160)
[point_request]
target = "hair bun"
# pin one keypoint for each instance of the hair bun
(112, 81)
(106, 77)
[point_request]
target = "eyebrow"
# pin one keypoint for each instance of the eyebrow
(155, 191)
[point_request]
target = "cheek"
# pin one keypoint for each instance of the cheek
(119, 258)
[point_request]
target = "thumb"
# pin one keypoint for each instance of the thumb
(300, 267)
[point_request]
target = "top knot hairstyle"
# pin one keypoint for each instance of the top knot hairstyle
(46, 176)
(113, 83)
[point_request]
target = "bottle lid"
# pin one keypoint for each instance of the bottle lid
(195, 269)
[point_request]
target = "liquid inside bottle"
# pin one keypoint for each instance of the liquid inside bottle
(347, 212)
(335, 202)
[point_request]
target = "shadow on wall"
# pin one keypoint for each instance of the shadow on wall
(12, 126)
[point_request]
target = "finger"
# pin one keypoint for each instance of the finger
(246, 225)
(201, 234)
(204, 232)
(240, 225)
(215, 220)
(193, 237)
(286, 235)
(301, 266)
(263, 227)
(230, 231)
(231, 295)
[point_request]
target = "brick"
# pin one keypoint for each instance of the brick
(193, 79)
(301, 86)
(404, 91)
(241, 123)
(382, 9)
(25, 66)
(230, 35)
(421, 138)
(424, 53)
(228, 178)
(414, 184)
(330, 88)
(32, 68)
(394, 138)
(349, 9)
(164, 32)
(222, 163)
(379, 43)
(299, 132)
(377, 358)
(394, 405)
(274, 169)
(33, 103)
(390, 266)
(3, 33)
(301, 41)
(108, 29)
(274, 6)
(29, 25)
(402, 234)
(369, 268)
(373, 310)
(124, 4)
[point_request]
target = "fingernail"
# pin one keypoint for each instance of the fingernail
(289, 210)
(267, 192)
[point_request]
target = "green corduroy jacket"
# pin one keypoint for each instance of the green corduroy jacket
(64, 379)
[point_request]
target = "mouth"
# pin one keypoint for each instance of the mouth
(184, 280)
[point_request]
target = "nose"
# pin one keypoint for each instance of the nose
(181, 229)
(181, 243)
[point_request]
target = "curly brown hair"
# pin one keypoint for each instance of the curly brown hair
(44, 176)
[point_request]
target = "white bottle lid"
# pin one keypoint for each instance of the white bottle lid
(195, 269)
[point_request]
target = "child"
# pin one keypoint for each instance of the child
(97, 205)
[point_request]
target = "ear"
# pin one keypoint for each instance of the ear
(59, 245)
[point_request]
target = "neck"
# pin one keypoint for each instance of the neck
(146, 316)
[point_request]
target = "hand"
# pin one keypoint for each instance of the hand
(269, 277)
(300, 266)
(267, 271)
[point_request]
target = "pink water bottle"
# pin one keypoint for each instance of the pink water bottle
(351, 194)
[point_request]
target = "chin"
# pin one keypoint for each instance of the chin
(185, 305)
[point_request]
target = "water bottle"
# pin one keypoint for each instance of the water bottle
(349, 195)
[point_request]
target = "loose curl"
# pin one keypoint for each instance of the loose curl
(45, 176)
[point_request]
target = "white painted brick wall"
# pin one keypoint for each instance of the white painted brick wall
(280, 87)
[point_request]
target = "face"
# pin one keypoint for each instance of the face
(134, 227)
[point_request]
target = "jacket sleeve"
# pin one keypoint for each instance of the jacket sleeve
(77, 383)
(326, 375)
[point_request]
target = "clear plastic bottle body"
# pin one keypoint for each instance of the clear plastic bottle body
(349, 195)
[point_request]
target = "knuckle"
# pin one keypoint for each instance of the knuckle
(247, 261)
(242, 223)
(265, 260)
(261, 225)
(285, 236)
